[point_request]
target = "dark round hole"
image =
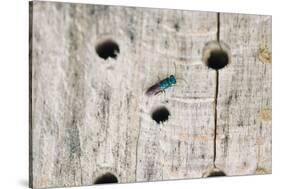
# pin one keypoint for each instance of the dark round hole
(108, 48)
(218, 59)
(106, 178)
(160, 115)
(216, 174)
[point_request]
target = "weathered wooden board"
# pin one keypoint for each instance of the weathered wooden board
(90, 115)
(244, 96)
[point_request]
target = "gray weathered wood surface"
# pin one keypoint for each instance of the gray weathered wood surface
(244, 98)
(90, 116)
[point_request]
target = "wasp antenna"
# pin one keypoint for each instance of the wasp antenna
(177, 75)
(175, 68)
(184, 81)
(181, 79)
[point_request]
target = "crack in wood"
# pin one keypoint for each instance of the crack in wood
(30, 94)
(218, 27)
(137, 145)
(216, 95)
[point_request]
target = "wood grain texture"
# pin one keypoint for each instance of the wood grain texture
(244, 97)
(90, 116)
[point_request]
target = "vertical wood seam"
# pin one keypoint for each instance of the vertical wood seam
(216, 95)
(30, 95)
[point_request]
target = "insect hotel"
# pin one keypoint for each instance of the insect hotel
(125, 94)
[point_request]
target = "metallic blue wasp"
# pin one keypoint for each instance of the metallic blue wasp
(161, 86)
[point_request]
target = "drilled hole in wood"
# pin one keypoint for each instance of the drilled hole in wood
(160, 115)
(106, 178)
(217, 174)
(218, 59)
(108, 48)
(216, 55)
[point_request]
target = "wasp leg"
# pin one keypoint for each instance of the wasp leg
(164, 94)
(158, 92)
(181, 79)
(165, 98)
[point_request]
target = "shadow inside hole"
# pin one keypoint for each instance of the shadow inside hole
(160, 115)
(218, 59)
(108, 48)
(106, 178)
(217, 174)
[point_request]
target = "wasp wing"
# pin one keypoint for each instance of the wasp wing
(153, 90)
